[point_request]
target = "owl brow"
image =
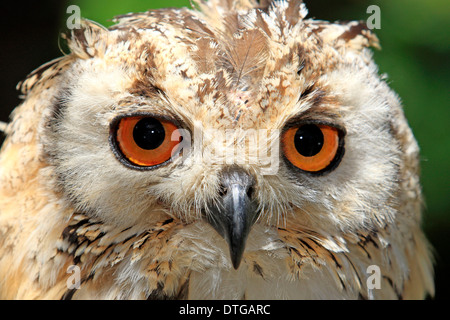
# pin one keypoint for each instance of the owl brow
(320, 115)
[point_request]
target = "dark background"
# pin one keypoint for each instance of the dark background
(414, 35)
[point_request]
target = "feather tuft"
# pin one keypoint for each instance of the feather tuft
(247, 53)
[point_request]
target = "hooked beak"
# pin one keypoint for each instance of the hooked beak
(235, 211)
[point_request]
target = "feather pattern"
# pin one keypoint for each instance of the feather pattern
(70, 200)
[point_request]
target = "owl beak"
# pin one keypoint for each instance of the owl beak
(235, 212)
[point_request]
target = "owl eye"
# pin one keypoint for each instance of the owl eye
(146, 141)
(311, 147)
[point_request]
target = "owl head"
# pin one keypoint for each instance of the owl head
(233, 115)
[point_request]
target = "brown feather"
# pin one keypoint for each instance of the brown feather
(247, 53)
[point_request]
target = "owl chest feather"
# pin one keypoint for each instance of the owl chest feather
(192, 262)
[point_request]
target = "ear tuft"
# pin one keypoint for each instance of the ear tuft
(357, 35)
(87, 41)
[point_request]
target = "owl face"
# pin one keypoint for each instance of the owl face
(259, 117)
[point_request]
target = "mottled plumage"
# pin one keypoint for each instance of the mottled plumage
(68, 198)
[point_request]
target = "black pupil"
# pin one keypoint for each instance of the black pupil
(148, 133)
(308, 140)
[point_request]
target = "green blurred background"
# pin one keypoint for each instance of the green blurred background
(414, 35)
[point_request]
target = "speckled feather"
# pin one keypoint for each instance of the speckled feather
(66, 200)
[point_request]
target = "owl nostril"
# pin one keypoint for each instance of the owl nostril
(250, 192)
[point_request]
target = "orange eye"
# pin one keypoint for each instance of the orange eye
(311, 147)
(146, 141)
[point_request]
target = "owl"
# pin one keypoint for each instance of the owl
(232, 150)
